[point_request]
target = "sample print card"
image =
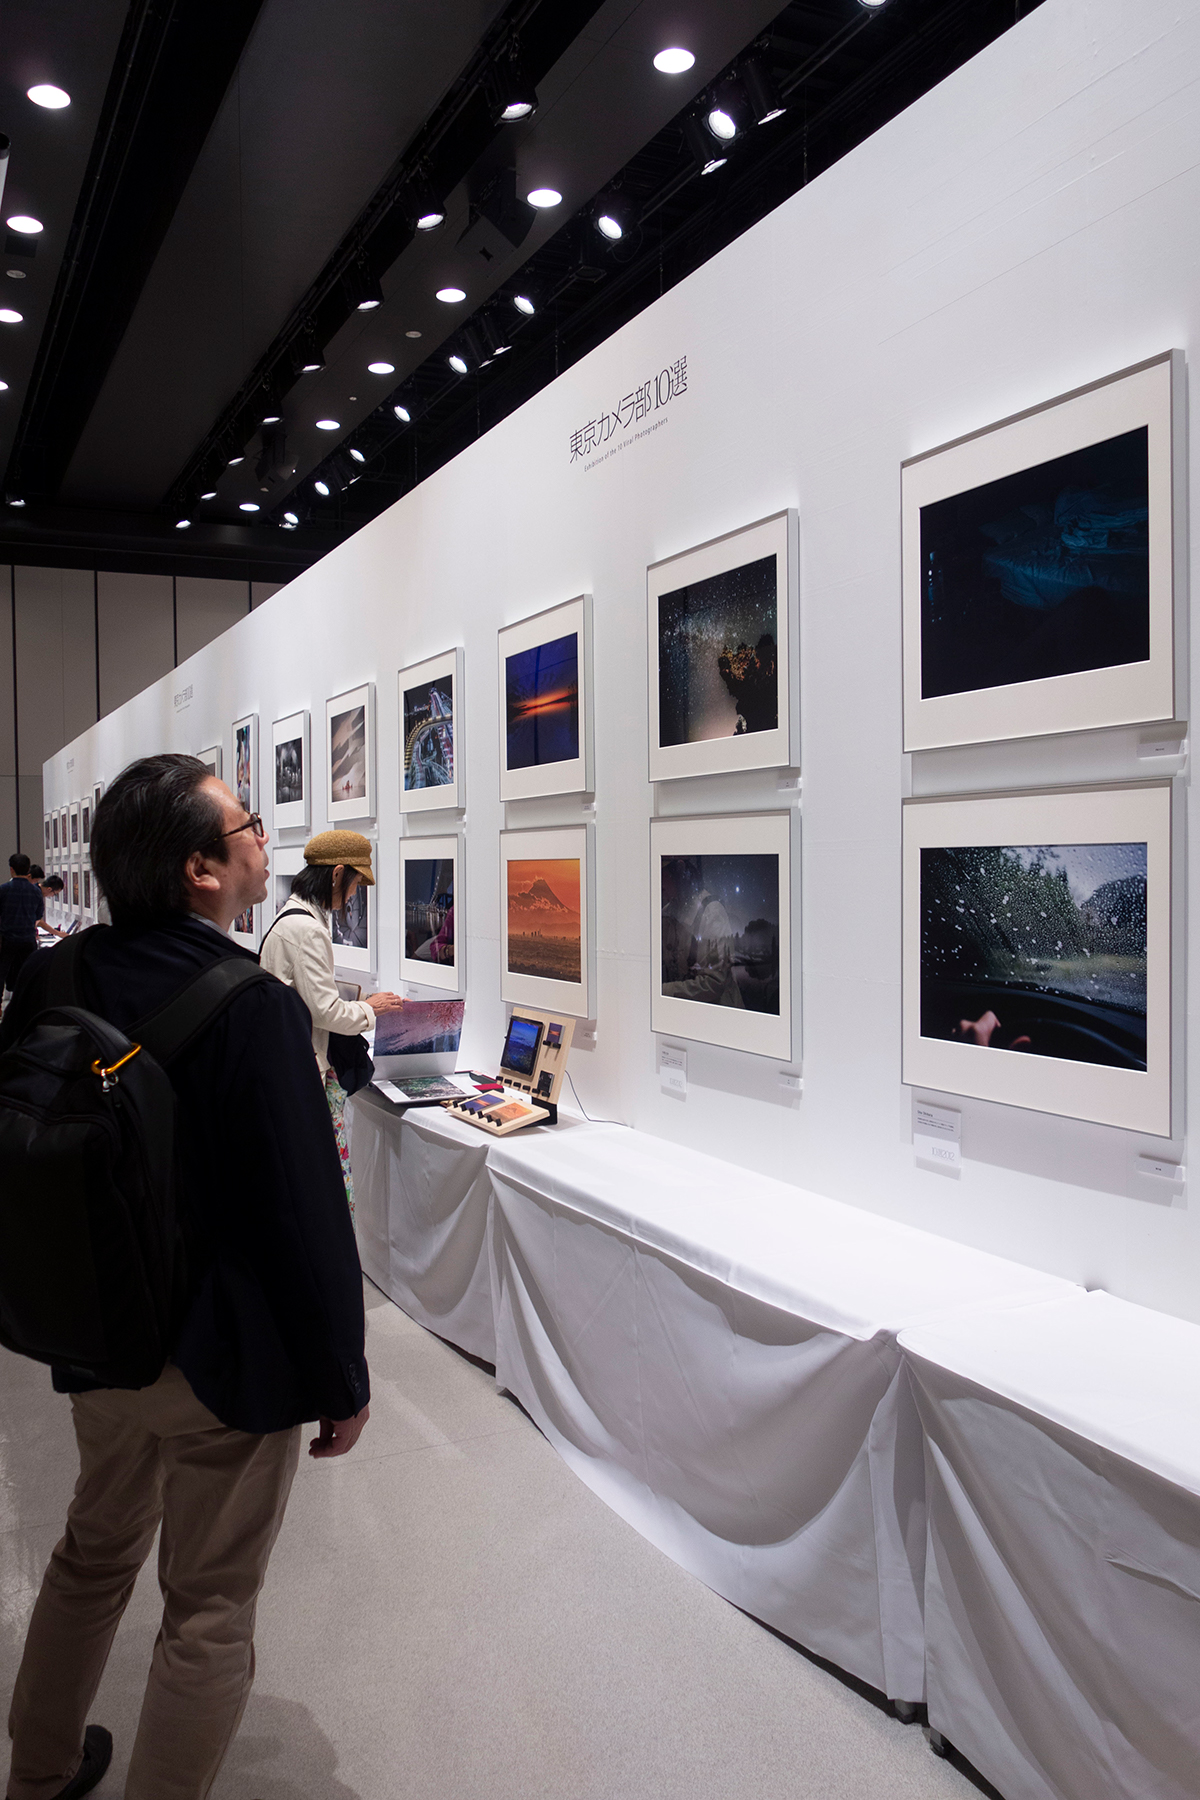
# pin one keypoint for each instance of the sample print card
(350, 754)
(431, 749)
(722, 685)
(1037, 951)
(545, 702)
(1039, 563)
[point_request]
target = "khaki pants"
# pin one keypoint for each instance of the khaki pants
(145, 1456)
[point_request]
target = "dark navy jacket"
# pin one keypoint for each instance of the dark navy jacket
(274, 1330)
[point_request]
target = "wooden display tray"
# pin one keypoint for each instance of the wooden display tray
(517, 1108)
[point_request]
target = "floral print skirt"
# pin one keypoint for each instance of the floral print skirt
(336, 1095)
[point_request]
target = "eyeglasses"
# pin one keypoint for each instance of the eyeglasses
(253, 823)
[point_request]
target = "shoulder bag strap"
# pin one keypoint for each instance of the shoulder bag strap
(289, 912)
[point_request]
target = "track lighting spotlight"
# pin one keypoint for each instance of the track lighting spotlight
(527, 299)
(182, 524)
(423, 207)
(614, 216)
(322, 488)
(705, 152)
(511, 96)
(761, 92)
(458, 363)
(361, 287)
(492, 333)
(403, 414)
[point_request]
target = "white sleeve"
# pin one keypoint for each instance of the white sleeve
(304, 959)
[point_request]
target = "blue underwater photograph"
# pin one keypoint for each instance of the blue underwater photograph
(1044, 572)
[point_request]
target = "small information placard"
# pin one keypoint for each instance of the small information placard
(937, 1135)
(672, 1069)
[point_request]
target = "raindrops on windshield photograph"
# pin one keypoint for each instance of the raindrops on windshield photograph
(1038, 949)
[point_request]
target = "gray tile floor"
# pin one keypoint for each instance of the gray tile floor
(451, 1615)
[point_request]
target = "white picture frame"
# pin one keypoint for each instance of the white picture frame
(243, 762)
(1098, 827)
(355, 773)
(687, 909)
(523, 859)
(546, 702)
(97, 796)
(246, 929)
(1007, 579)
(85, 822)
(73, 887)
(64, 831)
(431, 741)
(46, 836)
(213, 759)
(74, 826)
(287, 860)
(689, 585)
(421, 969)
(88, 894)
(291, 745)
(358, 959)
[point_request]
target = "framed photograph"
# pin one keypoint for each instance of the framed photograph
(89, 889)
(350, 754)
(291, 772)
(97, 796)
(245, 761)
(73, 815)
(721, 931)
(286, 862)
(76, 892)
(213, 760)
(54, 833)
(1043, 569)
(46, 835)
(64, 831)
(546, 702)
(430, 895)
(247, 927)
(85, 822)
(1037, 951)
(723, 684)
(431, 714)
(355, 933)
(547, 919)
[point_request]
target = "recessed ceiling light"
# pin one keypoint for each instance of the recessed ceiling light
(247, 505)
(381, 368)
(273, 419)
(322, 488)
(234, 461)
(51, 97)
(328, 425)
(8, 316)
(675, 61)
(412, 334)
(403, 414)
(15, 502)
(3, 387)
(28, 227)
(211, 495)
(457, 364)
(543, 197)
(15, 274)
(451, 295)
(182, 524)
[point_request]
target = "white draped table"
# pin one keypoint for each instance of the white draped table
(715, 1354)
(1063, 1579)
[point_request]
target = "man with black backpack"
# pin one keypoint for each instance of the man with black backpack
(196, 1322)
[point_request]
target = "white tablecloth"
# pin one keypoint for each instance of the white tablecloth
(421, 1196)
(715, 1354)
(1063, 1581)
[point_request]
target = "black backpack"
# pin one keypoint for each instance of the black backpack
(92, 1268)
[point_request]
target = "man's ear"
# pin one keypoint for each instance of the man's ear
(198, 873)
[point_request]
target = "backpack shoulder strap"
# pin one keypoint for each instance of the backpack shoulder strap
(174, 1026)
(62, 984)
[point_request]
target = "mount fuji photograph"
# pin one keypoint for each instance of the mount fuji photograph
(544, 919)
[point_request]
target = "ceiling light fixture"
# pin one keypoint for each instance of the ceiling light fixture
(273, 418)
(381, 368)
(234, 461)
(8, 316)
(699, 141)
(291, 518)
(329, 425)
(27, 226)
(3, 387)
(322, 488)
(52, 98)
(248, 506)
(182, 524)
(525, 303)
(14, 500)
(614, 216)
(211, 495)
(674, 61)
(872, 5)
(511, 95)
(761, 90)
(543, 197)
(457, 363)
(361, 287)
(451, 296)
(357, 455)
(722, 125)
(403, 414)
(412, 334)
(424, 208)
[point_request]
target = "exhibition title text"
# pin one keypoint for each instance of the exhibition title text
(649, 397)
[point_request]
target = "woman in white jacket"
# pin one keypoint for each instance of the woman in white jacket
(298, 948)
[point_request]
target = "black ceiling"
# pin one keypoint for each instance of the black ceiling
(231, 172)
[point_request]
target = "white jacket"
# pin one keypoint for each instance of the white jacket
(300, 951)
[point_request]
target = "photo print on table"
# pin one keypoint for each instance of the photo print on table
(723, 688)
(420, 1028)
(545, 702)
(350, 754)
(547, 919)
(245, 761)
(721, 951)
(1039, 560)
(430, 702)
(429, 879)
(1037, 951)
(292, 783)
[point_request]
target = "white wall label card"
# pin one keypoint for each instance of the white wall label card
(672, 1069)
(937, 1135)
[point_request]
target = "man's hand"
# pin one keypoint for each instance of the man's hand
(336, 1436)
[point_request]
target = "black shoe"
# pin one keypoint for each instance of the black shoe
(97, 1754)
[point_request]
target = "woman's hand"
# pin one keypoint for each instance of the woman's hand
(381, 1003)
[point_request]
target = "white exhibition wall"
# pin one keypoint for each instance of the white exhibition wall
(1026, 228)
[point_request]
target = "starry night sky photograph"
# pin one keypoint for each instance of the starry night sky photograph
(717, 647)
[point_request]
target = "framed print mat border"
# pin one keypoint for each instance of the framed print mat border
(1150, 397)
(569, 774)
(732, 1026)
(1080, 819)
(286, 814)
(777, 747)
(358, 804)
(439, 796)
(568, 843)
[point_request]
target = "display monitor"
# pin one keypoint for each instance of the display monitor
(521, 1044)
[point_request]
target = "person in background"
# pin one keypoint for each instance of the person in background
(49, 886)
(298, 947)
(22, 909)
(271, 1335)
